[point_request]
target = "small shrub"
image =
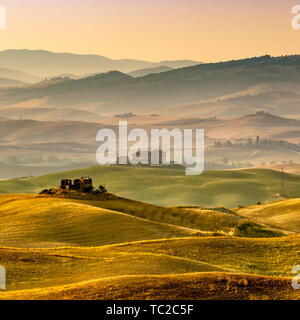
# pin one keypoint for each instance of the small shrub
(102, 189)
(253, 230)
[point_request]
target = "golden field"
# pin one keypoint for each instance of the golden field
(63, 248)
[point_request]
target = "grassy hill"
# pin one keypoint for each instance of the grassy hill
(293, 168)
(282, 214)
(79, 246)
(171, 187)
(41, 221)
(120, 271)
(194, 286)
(32, 221)
(58, 247)
(15, 171)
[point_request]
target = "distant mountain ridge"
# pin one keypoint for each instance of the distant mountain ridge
(226, 89)
(18, 75)
(4, 82)
(47, 64)
(145, 72)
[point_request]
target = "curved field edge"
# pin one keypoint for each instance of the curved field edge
(40, 268)
(196, 286)
(44, 221)
(283, 214)
(35, 221)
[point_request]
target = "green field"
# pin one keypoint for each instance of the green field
(170, 187)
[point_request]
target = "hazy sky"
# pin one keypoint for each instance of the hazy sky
(204, 30)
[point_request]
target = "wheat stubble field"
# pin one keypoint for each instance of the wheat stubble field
(56, 247)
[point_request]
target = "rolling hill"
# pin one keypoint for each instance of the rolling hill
(75, 246)
(55, 124)
(205, 86)
(201, 286)
(157, 234)
(54, 134)
(293, 168)
(261, 124)
(121, 271)
(56, 221)
(17, 170)
(267, 96)
(32, 131)
(49, 114)
(211, 189)
(282, 214)
(145, 72)
(66, 222)
(18, 76)
(11, 83)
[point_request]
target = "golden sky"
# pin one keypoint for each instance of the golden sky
(203, 30)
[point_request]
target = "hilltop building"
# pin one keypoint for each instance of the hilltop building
(81, 184)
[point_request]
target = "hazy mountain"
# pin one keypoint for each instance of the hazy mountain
(247, 126)
(4, 119)
(70, 76)
(290, 135)
(30, 131)
(264, 119)
(17, 171)
(11, 83)
(260, 124)
(267, 96)
(145, 72)
(163, 67)
(175, 64)
(48, 114)
(228, 89)
(47, 64)
(76, 140)
(18, 75)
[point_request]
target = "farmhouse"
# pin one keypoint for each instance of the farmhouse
(82, 184)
